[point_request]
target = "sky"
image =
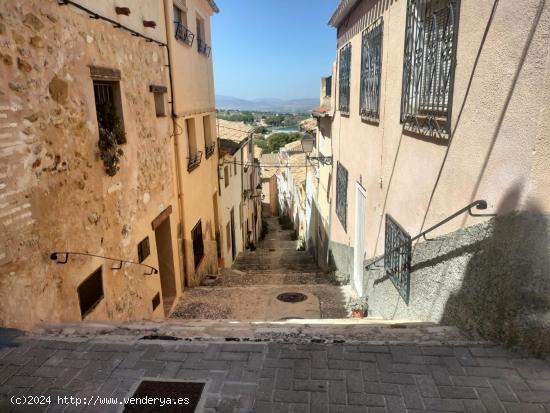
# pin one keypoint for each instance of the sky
(272, 48)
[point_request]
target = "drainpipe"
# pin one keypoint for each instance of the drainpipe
(175, 126)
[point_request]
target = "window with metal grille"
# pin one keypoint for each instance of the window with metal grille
(226, 175)
(344, 78)
(198, 245)
(371, 66)
(155, 301)
(90, 292)
(342, 194)
(109, 109)
(397, 257)
(429, 62)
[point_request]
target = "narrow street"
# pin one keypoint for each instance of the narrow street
(250, 289)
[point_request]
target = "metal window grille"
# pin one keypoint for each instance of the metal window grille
(397, 257)
(104, 93)
(428, 71)
(371, 66)
(198, 244)
(344, 78)
(184, 34)
(342, 194)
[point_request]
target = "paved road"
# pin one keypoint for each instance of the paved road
(250, 290)
(278, 377)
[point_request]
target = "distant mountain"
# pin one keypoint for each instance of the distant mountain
(267, 105)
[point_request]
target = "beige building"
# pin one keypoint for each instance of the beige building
(189, 45)
(439, 103)
(89, 167)
(239, 196)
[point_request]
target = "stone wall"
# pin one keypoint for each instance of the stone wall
(54, 193)
(492, 280)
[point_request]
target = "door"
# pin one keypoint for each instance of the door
(359, 247)
(163, 239)
(232, 219)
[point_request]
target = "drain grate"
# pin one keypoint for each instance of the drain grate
(184, 395)
(292, 297)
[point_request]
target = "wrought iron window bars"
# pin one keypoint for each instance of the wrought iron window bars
(398, 246)
(194, 161)
(184, 34)
(371, 68)
(428, 66)
(342, 194)
(344, 79)
(203, 47)
(210, 149)
(54, 256)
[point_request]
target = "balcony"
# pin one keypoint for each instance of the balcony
(194, 161)
(210, 149)
(184, 34)
(203, 47)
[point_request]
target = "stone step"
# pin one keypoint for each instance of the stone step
(363, 331)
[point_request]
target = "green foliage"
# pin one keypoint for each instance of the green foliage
(237, 116)
(111, 135)
(278, 140)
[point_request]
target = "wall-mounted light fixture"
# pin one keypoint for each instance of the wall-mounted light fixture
(308, 141)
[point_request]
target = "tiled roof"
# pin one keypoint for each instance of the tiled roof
(233, 131)
(341, 12)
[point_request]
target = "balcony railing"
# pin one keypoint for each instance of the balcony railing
(184, 34)
(203, 47)
(210, 149)
(194, 161)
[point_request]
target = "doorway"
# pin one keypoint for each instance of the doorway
(163, 239)
(232, 220)
(359, 247)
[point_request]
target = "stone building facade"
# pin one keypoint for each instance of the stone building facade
(89, 162)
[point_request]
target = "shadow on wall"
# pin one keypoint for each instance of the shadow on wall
(505, 292)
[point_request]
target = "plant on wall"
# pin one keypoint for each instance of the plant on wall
(111, 135)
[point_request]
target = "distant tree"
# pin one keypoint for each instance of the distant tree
(279, 139)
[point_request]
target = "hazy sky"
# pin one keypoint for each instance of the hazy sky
(272, 48)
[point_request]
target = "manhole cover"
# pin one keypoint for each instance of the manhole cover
(292, 297)
(184, 396)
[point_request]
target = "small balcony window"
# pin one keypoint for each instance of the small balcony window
(342, 194)
(180, 27)
(371, 66)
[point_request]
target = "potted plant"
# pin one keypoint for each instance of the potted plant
(358, 307)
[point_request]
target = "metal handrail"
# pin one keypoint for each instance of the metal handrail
(203, 47)
(194, 160)
(480, 204)
(54, 257)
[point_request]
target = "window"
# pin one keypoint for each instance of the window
(180, 26)
(198, 245)
(108, 107)
(428, 71)
(143, 249)
(342, 194)
(195, 156)
(209, 143)
(344, 78)
(90, 292)
(371, 64)
(226, 175)
(202, 46)
(159, 93)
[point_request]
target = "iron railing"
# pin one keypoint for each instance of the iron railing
(55, 256)
(184, 34)
(344, 79)
(342, 194)
(428, 67)
(194, 161)
(210, 149)
(371, 67)
(398, 246)
(203, 47)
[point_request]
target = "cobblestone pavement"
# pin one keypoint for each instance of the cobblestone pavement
(275, 266)
(278, 377)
